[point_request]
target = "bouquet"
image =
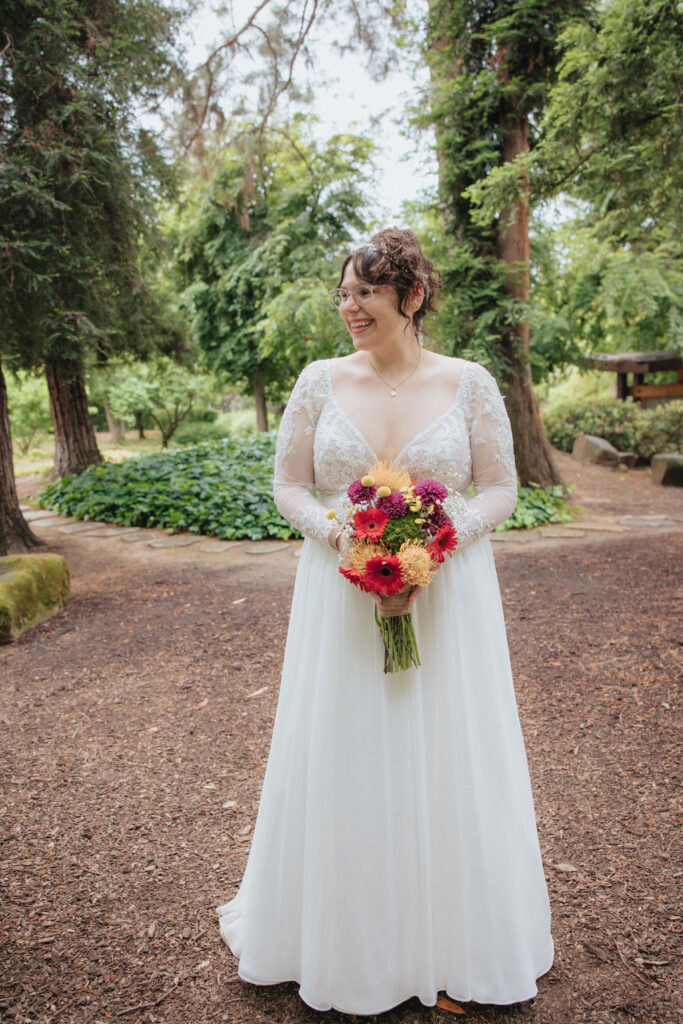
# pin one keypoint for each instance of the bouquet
(400, 532)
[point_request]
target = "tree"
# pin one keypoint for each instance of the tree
(612, 139)
(15, 534)
(254, 248)
(163, 389)
(492, 64)
(77, 194)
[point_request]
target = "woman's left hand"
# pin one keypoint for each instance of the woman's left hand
(416, 590)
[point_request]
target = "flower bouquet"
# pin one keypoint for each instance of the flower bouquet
(399, 534)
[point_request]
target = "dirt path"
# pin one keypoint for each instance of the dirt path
(136, 730)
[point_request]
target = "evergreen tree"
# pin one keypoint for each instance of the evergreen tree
(77, 191)
(492, 63)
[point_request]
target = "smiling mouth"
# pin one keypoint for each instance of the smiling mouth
(359, 325)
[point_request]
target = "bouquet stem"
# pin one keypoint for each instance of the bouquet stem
(398, 634)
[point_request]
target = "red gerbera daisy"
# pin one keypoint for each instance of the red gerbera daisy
(443, 544)
(354, 576)
(383, 574)
(369, 523)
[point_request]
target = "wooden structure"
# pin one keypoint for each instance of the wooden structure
(640, 363)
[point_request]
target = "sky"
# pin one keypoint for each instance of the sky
(350, 100)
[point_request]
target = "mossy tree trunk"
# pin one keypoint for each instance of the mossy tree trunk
(16, 536)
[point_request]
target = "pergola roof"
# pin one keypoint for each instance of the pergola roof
(635, 362)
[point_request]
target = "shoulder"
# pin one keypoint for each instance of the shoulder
(311, 388)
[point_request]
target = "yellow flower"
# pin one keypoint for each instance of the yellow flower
(331, 513)
(383, 491)
(362, 550)
(367, 481)
(390, 474)
(419, 520)
(416, 564)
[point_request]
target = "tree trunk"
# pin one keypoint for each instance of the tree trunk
(117, 428)
(139, 426)
(533, 453)
(260, 399)
(16, 537)
(75, 442)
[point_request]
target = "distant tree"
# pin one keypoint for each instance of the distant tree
(257, 249)
(77, 193)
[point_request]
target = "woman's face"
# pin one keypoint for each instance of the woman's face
(372, 318)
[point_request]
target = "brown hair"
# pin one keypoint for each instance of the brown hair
(394, 257)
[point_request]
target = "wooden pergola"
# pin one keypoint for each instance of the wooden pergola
(640, 363)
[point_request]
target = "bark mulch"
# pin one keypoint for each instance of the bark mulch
(135, 732)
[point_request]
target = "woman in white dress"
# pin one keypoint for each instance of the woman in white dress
(395, 851)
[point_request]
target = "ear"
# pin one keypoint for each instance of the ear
(417, 294)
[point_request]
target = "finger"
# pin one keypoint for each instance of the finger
(416, 590)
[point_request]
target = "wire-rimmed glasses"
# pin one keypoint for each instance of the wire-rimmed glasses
(361, 294)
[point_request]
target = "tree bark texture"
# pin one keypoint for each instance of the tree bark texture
(260, 400)
(533, 453)
(16, 536)
(117, 428)
(139, 426)
(75, 442)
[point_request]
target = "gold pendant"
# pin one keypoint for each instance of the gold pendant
(393, 394)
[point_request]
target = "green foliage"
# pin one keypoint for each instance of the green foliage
(397, 531)
(29, 409)
(624, 424)
(537, 505)
(258, 247)
(80, 179)
(220, 488)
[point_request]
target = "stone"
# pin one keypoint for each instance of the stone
(267, 547)
(51, 520)
(667, 469)
(628, 459)
(32, 587)
(651, 521)
(181, 540)
(133, 538)
(590, 448)
(37, 513)
(214, 547)
(114, 531)
(80, 526)
(549, 532)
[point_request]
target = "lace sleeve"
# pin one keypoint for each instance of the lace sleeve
(493, 462)
(294, 477)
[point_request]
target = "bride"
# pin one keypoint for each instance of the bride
(395, 851)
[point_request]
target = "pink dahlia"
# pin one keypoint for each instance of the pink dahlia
(360, 495)
(394, 505)
(437, 519)
(431, 491)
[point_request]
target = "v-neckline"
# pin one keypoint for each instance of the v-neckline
(414, 438)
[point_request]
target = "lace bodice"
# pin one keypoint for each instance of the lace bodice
(471, 442)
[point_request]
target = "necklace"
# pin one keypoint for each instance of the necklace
(394, 388)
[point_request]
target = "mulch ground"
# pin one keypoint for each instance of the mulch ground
(136, 725)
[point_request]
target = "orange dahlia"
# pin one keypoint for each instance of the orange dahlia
(369, 523)
(383, 574)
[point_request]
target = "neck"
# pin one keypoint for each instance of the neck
(397, 354)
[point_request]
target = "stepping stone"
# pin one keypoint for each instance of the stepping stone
(133, 538)
(182, 540)
(667, 469)
(80, 526)
(548, 532)
(114, 531)
(51, 520)
(646, 521)
(597, 527)
(38, 513)
(511, 537)
(215, 546)
(25, 508)
(267, 547)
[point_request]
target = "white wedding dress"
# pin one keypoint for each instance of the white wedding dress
(395, 851)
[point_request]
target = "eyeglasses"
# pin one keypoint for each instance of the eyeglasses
(361, 294)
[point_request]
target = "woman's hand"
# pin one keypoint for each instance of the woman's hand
(377, 598)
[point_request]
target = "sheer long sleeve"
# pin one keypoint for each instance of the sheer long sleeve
(294, 475)
(493, 462)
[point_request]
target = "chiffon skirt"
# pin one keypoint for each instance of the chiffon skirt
(395, 851)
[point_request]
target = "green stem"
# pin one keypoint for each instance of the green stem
(400, 642)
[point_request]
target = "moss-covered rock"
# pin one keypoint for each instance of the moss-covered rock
(32, 587)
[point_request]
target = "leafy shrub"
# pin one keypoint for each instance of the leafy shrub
(221, 488)
(623, 424)
(537, 505)
(29, 409)
(196, 431)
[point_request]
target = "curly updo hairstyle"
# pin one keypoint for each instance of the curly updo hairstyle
(394, 257)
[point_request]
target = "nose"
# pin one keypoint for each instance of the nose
(350, 300)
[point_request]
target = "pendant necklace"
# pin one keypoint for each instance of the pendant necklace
(394, 388)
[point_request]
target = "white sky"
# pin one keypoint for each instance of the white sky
(349, 100)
